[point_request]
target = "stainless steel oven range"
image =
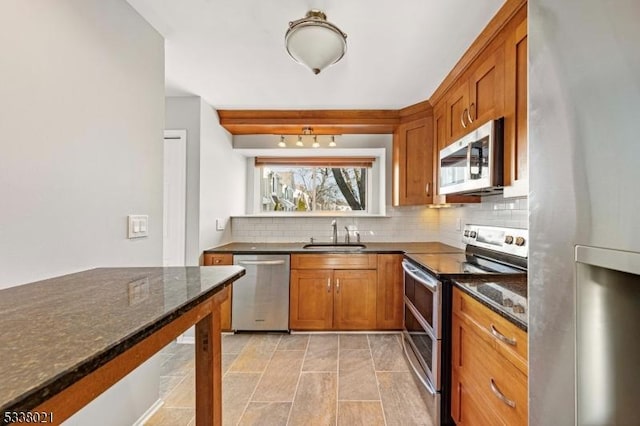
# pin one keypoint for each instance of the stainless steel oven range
(427, 302)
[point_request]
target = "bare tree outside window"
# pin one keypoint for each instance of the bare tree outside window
(292, 188)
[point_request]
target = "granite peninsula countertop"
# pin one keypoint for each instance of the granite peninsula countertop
(371, 247)
(56, 331)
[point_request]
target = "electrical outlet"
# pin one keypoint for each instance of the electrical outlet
(458, 224)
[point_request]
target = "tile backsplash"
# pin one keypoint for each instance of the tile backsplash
(494, 210)
(402, 224)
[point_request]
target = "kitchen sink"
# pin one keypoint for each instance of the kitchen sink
(332, 246)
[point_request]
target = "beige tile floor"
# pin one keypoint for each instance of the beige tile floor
(300, 379)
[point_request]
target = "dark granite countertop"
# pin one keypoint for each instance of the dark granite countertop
(56, 331)
(372, 247)
(494, 291)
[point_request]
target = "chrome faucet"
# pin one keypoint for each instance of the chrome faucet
(347, 237)
(334, 235)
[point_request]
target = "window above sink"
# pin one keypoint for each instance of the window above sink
(328, 183)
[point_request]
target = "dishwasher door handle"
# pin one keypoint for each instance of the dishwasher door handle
(261, 262)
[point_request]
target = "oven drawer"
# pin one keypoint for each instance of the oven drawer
(479, 370)
(506, 338)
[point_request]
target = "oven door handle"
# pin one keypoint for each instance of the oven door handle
(426, 383)
(427, 281)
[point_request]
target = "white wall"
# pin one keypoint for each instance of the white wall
(222, 180)
(216, 175)
(184, 113)
(81, 119)
(81, 130)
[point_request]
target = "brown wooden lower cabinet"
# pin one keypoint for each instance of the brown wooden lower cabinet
(326, 299)
(390, 293)
(219, 259)
(311, 299)
(487, 387)
(354, 306)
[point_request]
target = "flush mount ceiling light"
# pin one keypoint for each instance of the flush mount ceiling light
(314, 42)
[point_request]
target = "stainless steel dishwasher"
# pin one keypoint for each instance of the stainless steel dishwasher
(261, 297)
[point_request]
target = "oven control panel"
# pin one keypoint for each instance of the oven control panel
(505, 240)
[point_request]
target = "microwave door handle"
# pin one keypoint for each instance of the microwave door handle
(480, 151)
(469, 162)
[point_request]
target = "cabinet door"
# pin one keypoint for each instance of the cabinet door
(439, 127)
(486, 89)
(355, 300)
(413, 163)
(311, 299)
(467, 410)
(390, 293)
(218, 259)
(457, 108)
(516, 169)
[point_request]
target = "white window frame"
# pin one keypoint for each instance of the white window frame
(376, 192)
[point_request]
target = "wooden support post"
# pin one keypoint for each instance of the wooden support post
(208, 356)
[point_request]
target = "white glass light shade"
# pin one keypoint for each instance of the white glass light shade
(314, 42)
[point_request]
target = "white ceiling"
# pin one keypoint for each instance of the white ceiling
(231, 52)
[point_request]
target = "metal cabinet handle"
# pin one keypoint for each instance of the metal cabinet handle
(427, 189)
(338, 285)
(469, 112)
(464, 125)
(261, 262)
(328, 285)
(500, 395)
(502, 337)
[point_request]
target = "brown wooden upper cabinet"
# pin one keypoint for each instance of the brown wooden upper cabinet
(477, 97)
(492, 85)
(516, 173)
(413, 162)
(440, 125)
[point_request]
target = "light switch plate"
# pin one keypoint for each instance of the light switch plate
(138, 225)
(220, 224)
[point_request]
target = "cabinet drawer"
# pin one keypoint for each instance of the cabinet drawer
(333, 261)
(213, 259)
(488, 376)
(468, 409)
(494, 329)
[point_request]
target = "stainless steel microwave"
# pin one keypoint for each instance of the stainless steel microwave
(473, 165)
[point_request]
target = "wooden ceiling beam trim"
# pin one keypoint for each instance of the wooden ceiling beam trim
(416, 111)
(292, 122)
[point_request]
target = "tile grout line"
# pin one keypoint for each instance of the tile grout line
(375, 373)
(306, 350)
(258, 383)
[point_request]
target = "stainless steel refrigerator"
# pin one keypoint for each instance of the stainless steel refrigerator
(584, 253)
